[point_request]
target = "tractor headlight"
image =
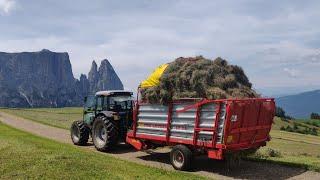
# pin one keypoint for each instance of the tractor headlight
(116, 117)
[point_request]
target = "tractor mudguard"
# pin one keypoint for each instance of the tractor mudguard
(108, 114)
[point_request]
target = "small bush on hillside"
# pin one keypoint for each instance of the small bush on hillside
(313, 123)
(259, 155)
(289, 129)
(300, 128)
(273, 153)
(304, 154)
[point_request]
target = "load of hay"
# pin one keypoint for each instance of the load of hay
(198, 77)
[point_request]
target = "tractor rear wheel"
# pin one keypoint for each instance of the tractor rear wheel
(104, 133)
(181, 158)
(79, 133)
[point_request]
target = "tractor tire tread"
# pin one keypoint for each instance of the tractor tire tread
(113, 134)
(83, 132)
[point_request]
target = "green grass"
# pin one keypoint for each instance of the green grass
(313, 122)
(296, 149)
(298, 126)
(57, 117)
(26, 156)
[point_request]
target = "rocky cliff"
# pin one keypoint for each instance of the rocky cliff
(103, 79)
(45, 79)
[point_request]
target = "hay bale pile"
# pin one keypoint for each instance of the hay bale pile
(198, 77)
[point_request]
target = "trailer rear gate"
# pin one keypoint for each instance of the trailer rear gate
(215, 125)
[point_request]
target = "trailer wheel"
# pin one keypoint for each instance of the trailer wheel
(104, 133)
(79, 133)
(181, 157)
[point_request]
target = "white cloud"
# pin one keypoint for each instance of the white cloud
(273, 43)
(6, 6)
(292, 72)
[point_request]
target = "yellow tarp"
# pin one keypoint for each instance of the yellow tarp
(154, 78)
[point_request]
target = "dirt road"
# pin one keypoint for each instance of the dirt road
(160, 158)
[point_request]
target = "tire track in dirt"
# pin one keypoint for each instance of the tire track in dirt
(160, 158)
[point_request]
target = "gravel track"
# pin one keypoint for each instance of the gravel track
(160, 158)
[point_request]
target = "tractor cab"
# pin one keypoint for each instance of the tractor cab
(107, 116)
(114, 104)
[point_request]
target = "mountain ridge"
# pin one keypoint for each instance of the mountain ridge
(45, 79)
(300, 105)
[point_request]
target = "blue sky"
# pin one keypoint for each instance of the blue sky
(276, 42)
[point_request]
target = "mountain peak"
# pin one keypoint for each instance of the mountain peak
(45, 50)
(106, 64)
(104, 77)
(25, 85)
(94, 66)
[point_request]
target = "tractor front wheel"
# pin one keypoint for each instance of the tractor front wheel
(79, 133)
(104, 133)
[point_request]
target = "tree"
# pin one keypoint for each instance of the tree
(314, 131)
(314, 116)
(280, 112)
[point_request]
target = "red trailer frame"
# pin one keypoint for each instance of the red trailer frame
(247, 126)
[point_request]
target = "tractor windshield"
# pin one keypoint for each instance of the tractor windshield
(117, 103)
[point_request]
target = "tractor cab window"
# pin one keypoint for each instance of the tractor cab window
(99, 103)
(90, 103)
(118, 103)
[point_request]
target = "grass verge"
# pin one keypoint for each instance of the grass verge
(26, 156)
(56, 117)
(291, 149)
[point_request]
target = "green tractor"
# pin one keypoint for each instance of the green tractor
(106, 118)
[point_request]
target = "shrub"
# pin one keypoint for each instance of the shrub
(289, 128)
(273, 153)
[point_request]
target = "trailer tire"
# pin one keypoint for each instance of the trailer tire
(105, 133)
(181, 158)
(79, 133)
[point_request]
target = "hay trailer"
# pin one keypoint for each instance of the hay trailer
(213, 127)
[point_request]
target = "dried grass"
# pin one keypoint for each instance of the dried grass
(198, 77)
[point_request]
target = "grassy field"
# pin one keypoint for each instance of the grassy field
(25, 156)
(57, 117)
(314, 122)
(292, 148)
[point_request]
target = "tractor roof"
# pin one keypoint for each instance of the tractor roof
(113, 92)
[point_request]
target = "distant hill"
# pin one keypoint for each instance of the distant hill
(45, 79)
(300, 105)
